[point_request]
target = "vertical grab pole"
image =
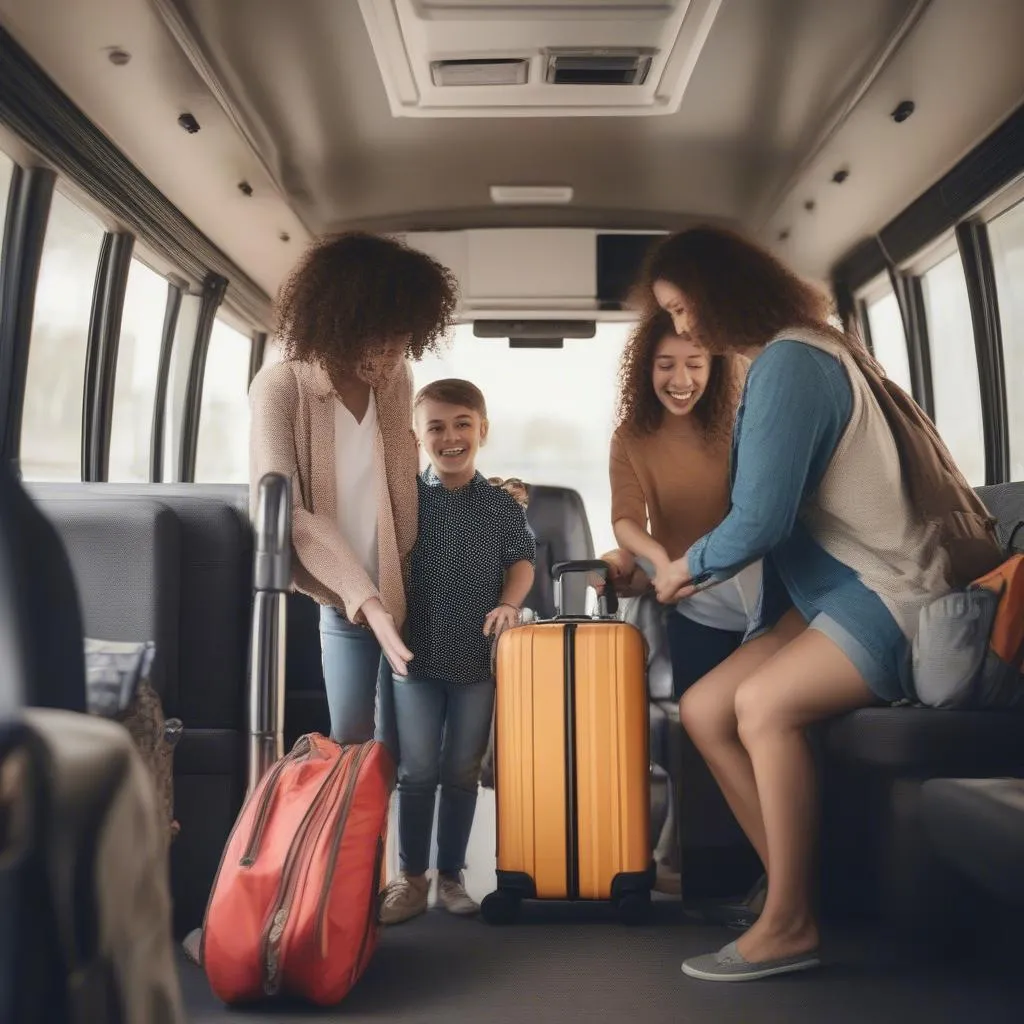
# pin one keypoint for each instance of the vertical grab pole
(271, 580)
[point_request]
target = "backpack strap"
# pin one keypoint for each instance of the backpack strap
(1013, 534)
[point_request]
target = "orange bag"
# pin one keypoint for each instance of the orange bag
(294, 905)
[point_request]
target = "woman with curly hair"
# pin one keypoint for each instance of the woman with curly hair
(669, 472)
(335, 417)
(819, 495)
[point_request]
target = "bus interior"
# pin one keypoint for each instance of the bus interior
(164, 164)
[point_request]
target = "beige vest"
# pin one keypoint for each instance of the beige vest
(861, 514)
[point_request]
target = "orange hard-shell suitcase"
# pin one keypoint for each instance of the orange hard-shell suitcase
(572, 763)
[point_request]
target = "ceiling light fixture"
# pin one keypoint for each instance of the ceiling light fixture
(531, 195)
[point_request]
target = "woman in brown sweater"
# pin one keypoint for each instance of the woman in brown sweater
(669, 470)
(335, 417)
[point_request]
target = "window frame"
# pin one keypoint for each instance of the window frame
(28, 214)
(104, 340)
(986, 182)
(1002, 202)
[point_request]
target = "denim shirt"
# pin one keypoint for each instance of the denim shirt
(795, 407)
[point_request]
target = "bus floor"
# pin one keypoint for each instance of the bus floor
(563, 963)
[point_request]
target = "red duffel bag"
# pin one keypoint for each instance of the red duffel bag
(294, 905)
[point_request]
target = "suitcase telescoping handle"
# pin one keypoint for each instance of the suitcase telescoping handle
(271, 579)
(608, 601)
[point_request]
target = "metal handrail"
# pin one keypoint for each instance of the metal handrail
(271, 580)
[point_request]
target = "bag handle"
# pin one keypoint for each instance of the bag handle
(1013, 534)
(609, 598)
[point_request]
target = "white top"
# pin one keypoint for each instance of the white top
(730, 605)
(355, 453)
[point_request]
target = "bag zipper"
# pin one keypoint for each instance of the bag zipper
(319, 935)
(252, 849)
(277, 918)
(231, 836)
(371, 917)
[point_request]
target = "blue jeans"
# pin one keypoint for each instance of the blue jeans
(443, 729)
(358, 681)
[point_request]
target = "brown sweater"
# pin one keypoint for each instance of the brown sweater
(673, 480)
(674, 483)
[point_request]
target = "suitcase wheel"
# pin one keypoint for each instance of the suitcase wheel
(634, 907)
(500, 907)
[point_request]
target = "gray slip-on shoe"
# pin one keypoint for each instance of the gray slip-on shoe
(728, 964)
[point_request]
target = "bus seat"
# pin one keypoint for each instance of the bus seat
(126, 562)
(875, 760)
(559, 521)
(977, 827)
(213, 614)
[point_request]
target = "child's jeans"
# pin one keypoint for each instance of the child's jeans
(443, 730)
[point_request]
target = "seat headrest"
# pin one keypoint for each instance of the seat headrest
(558, 519)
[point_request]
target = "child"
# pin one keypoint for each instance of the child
(472, 568)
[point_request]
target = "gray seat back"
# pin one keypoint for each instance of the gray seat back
(559, 521)
(126, 555)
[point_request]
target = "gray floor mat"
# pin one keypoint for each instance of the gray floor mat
(563, 963)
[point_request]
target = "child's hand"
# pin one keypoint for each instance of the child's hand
(500, 619)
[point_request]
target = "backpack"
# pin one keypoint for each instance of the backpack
(118, 688)
(969, 648)
(936, 488)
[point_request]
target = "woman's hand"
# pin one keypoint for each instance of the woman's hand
(621, 566)
(382, 623)
(672, 580)
(499, 619)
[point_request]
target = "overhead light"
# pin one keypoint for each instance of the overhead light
(531, 195)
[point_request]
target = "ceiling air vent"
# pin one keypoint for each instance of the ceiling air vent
(598, 67)
(480, 71)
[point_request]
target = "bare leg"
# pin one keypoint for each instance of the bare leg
(810, 679)
(708, 713)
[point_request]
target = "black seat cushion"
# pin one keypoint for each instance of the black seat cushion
(924, 742)
(126, 556)
(977, 826)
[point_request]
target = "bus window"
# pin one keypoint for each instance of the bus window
(222, 451)
(551, 411)
(138, 358)
(1006, 235)
(888, 339)
(954, 361)
(51, 431)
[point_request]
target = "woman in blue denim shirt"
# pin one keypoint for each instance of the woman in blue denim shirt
(818, 494)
